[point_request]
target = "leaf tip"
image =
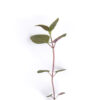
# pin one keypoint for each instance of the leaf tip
(30, 37)
(58, 18)
(65, 34)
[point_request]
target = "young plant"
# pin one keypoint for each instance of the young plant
(43, 38)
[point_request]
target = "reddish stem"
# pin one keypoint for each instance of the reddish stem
(53, 68)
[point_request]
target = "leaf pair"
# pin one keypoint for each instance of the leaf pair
(51, 27)
(42, 38)
(42, 71)
(61, 93)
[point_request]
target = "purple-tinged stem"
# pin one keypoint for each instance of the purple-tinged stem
(53, 68)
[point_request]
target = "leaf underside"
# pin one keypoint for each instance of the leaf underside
(52, 26)
(44, 27)
(59, 37)
(60, 70)
(40, 38)
(42, 71)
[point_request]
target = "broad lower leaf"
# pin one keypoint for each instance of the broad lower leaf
(49, 95)
(61, 93)
(52, 26)
(58, 38)
(40, 38)
(44, 27)
(42, 71)
(60, 70)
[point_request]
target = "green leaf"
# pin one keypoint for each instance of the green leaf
(49, 95)
(60, 70)
(42, 71)
(44, 27)
(40, 38)
(52, 26)
(61, 93)
(58, 38)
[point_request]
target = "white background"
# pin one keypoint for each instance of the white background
(79, 52)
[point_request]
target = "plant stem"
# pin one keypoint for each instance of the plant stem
(52, 78)
(53, 68)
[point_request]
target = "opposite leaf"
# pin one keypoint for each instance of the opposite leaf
(52, 26)
(58, 38)
(49, 95)
(44, 27)
(61, 93)
(60, 70)
(42, 71)
(40, 38)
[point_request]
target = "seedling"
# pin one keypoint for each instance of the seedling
(43, 38)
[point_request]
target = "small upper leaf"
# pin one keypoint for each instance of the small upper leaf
(61, 93)
(60, 70)
(41, 71)
(58, 38)
(40, 38)
(49, 95)
(52, 26)
(44, 27)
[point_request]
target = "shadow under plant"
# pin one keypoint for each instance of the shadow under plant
(43, 38)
